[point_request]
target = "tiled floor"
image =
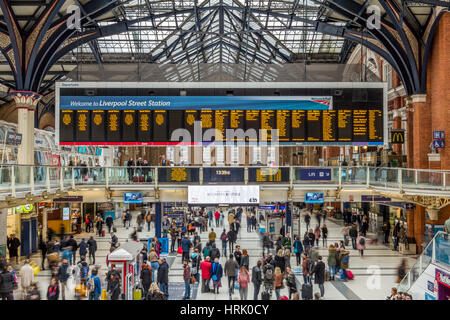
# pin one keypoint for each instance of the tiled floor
(375, 273)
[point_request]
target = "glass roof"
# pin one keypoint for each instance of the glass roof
(212, 31)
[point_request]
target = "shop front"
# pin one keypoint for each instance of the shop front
(70, 208)
(28, 235)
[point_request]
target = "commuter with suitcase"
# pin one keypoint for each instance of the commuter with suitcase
(319, 275)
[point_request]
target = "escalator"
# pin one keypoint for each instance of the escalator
(429, 278)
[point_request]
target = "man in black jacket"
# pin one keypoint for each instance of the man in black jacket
(267, 243)
(231, 239)
(319, 272)
(163, 276)
(43, 248)
(238, 255)
(63, 276)
(13, 245)
(92, 247)
(6, 284)
(73, 243)
(146, 278)
(256, 279)
(353, 233)
(109, 223)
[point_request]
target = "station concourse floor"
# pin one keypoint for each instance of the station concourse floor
(378, 256)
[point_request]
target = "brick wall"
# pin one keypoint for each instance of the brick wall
(438, 84)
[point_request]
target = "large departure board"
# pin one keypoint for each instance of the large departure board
(135, 122)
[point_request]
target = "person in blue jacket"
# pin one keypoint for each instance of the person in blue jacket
(83, 248)
(95, 293)
(216, 275)
(186, 244)
(298, 250)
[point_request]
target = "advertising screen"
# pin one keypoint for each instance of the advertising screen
(223, 194)
(132, 197)
(314, 197)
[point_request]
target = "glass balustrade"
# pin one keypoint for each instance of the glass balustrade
(5, 179)
(378, 177)
(438, 249)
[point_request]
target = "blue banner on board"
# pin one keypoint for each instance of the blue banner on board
(193, 102)
(315, 174)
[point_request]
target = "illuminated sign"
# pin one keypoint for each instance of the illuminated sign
(398, 136)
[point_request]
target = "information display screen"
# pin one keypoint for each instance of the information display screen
(178, 174)
(268, 174)
(130, 120)
(133, 197)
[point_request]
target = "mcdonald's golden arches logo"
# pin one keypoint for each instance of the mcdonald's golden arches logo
(398, 137)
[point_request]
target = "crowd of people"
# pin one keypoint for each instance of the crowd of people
(73, 265)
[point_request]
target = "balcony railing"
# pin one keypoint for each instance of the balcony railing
(22, 178)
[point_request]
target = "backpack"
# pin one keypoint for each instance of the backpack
(362, 241)
(345, 258)
(84, 272)
(206, 251)
(268, 272)
(90, 284)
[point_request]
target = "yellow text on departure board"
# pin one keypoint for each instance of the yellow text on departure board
(144, 121)
(178, 174)
(268, 175)
(82, 121)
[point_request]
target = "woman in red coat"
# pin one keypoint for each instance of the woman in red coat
(205, 266)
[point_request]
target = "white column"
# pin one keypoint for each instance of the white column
(26, 104)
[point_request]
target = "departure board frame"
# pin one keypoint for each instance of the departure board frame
(336, 135)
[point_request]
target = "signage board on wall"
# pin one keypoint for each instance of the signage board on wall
(69, 199)
(223, 194)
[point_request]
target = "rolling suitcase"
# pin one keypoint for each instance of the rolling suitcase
(114, 229)
(307, 291)
(135, 179)
(141, 178)
(350, 275)
(346, 242)
(103, 233)
(265, 295)
(327, 275)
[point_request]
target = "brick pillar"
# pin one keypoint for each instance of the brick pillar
(419, 226)
(409, 133)
(422, 128)
(410, 221)
(397, 123)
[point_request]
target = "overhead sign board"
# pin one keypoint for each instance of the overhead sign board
(315, 174)
(223, 194)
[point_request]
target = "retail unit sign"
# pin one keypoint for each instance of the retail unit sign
(13, 138)
(223, 194)
(69, 199)
(315, 174)
(26, 208)
(443, 277)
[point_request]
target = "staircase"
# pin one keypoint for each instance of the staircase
(420, 279)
